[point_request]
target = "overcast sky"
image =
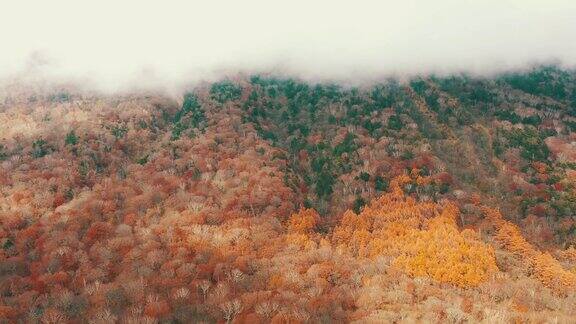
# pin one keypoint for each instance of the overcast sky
(120, 42)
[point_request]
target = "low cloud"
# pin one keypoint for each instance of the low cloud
(120, 44)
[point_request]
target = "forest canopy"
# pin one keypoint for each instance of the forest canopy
(266, 199)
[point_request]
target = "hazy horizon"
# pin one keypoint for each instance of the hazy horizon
(149, 44)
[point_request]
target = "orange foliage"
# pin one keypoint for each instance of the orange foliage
(546, 268)
(304, 221)
(7, 312)
(422, 236)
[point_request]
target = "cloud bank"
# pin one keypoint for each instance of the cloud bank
(146, 43)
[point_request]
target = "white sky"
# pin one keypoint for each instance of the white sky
(118, 42)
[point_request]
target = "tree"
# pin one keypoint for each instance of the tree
(395, 123)
(304, 221)
(225, 91)
(380, 184)
(231, 309)
(71, 138)
(40, 148)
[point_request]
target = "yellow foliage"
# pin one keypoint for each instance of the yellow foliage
(423, 236)
(304, 221)
(300, 225)
(399, 181)
(444, 254)
(302, 241)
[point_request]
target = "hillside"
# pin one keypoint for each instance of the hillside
(260, 199)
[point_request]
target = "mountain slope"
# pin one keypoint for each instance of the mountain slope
(265, 199)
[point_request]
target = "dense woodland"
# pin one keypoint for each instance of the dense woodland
(261, 199)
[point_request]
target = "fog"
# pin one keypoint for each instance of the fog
(119, 44)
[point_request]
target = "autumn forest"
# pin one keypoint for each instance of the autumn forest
(267, 199)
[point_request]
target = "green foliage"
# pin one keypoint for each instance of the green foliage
(346, 146)
(534, 120)
(364, 176)
(508, 115)
(3, 153)
(395, 123)
(71, 138)
(189, 116)
(302, 128)
(359, 202)
(119, 131)
(59, 97)
(381, 98)
(7, 244)
(83, 169)
(570, 125)
(380, 184)
(269, 135)
(530, 142)
(324, 184)
(178, 129)
(286, 112)
(372, 127)
(407, 155)
(190, 104)
(69, 194)
(469, 91)
(432, 101)
(40, 148)
(318, 163)
(425, 125)
(429, 95)
(481, 94)
(419, 86)
(225, 91)
(444, 188)
(464, 116)
(143, 160)
(544, 80)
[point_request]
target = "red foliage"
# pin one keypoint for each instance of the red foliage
(97, 231)
(59, 200)
(156, 308)
(445, 177)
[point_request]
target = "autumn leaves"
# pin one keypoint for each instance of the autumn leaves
(422, 237)
(544, 266)
(425, 241)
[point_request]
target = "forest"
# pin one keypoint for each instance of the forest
(269, 199)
